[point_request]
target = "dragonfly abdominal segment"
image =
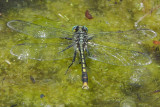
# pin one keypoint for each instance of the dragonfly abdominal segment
(121, 53)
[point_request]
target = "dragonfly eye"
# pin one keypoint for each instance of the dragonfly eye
(75, 28)
(85, 29)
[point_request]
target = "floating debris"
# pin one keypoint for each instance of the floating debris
(14, 105)
(3, 80)
(32, 79)
(88, 15)
(156, 91)
(42, 95)
(8, 62)
(156, 42)
(149, 12)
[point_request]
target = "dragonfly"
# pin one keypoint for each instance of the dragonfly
(80, 41)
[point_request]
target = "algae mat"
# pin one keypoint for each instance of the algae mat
(32, 83)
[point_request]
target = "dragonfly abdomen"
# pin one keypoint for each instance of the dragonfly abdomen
(84, 71)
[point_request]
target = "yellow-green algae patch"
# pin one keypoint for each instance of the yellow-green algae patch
(110, 85)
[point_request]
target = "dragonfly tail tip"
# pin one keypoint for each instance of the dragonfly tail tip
(85, 85)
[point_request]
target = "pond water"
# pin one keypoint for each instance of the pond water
(26, 82)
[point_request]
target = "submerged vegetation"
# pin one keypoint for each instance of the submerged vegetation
(27, 82)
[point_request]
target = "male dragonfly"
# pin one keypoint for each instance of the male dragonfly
(80, 41)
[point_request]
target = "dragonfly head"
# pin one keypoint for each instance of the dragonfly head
(80, 29)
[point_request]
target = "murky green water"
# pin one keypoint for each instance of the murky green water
(24, 82)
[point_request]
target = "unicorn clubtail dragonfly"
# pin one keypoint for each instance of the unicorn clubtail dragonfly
(80, 41)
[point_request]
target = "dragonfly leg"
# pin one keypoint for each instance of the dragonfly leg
(90, 38)
(66, 48)
(87, 52)
(74, 57)
(79, 61)
(66, 38)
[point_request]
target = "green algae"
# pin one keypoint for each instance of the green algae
(110, 85)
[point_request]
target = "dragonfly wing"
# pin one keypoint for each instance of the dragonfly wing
(125, 37)
(41, 51)
(37, 31)
(117, 56)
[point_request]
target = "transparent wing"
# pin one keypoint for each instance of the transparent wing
(117, 56)
(125, 37)
(37, 31)
(41, 51)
